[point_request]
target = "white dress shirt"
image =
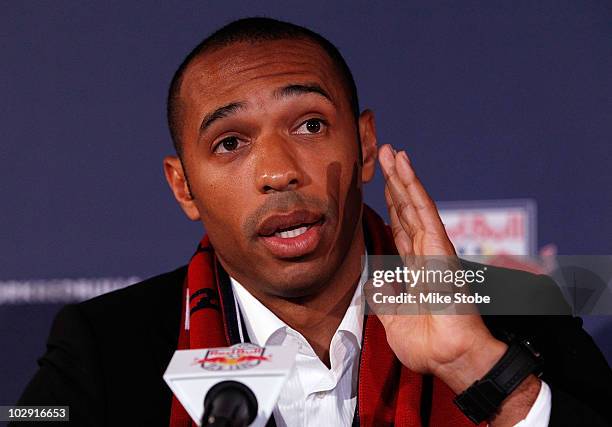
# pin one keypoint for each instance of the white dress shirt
(315, 395)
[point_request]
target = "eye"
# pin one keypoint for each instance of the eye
(226, 145)
(311, 126)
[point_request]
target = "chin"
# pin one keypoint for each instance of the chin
(298, 280)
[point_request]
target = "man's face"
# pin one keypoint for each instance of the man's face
(270, 151)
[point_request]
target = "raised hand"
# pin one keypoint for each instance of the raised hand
(457, 348)
(441, 344)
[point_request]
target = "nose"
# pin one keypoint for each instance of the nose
(277, 168)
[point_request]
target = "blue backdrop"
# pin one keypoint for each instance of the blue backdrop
(492, 100)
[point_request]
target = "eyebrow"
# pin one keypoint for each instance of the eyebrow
(220, 113)
(283, 92)
(302, 89)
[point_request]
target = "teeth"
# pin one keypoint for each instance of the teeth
(291, 233)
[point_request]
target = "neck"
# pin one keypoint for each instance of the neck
(317, 317)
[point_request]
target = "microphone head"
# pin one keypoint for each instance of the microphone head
(229, 403)
(192, 374)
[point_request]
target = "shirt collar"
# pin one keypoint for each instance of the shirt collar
(262, 324)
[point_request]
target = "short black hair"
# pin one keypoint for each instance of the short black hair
(255, 29)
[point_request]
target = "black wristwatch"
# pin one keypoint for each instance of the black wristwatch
(483, 398)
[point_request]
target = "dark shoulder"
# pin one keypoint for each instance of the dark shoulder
(136, 331)
(508, 275)
(516, 292)
(573, 364)
(151, 309)
(529, 306)
(106, 356)
(162, 291)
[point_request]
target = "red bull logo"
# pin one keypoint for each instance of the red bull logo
(239, 356)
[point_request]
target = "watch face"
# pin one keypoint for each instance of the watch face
(528, 344)
(537, 357)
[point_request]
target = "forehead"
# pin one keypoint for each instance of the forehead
(245, 70)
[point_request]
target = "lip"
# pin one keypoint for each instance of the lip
(279, 221)
(292, 247)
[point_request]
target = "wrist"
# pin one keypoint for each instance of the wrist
(516, 406)
(506, 393)
(471, 365)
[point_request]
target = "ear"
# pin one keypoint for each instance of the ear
(177, 180)
(367, 134)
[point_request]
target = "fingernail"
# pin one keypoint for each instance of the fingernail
(405, 156)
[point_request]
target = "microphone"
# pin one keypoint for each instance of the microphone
(229, 404)
(230, 386)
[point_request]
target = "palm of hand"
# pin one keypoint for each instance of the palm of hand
(425, 342)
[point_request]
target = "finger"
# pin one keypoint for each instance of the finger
(387, 161)
(386, 157)
(422, 204)
(401, 200)
(403, 242)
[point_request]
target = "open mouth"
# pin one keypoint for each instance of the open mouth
(291, 235)
(294, 231)
(289, 225)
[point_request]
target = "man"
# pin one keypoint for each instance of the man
(272, 152)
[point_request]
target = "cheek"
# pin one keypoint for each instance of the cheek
(221, 204)
(343, 190)
(332, 166)
(351, 192)
(344, 195)
(341, 182)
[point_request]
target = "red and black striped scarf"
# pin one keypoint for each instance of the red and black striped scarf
(389, 394)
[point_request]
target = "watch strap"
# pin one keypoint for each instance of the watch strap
(483, 398)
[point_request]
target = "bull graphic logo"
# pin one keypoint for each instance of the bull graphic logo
(239, 356)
